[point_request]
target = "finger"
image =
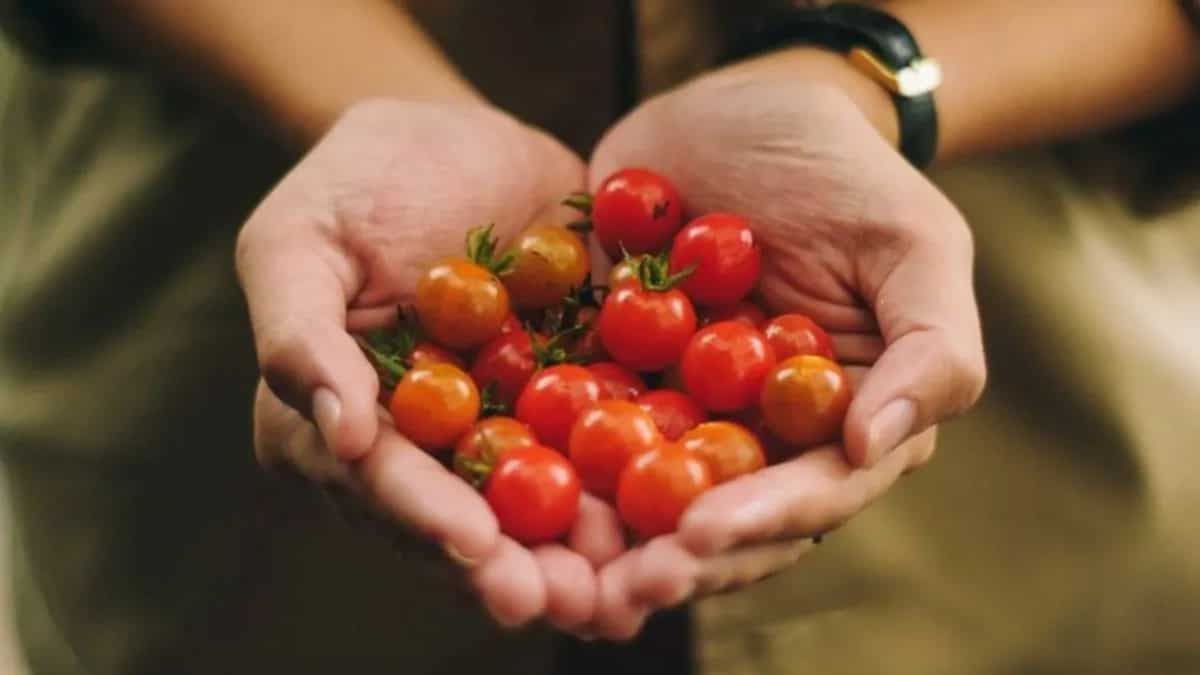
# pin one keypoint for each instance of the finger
(619, 616)
(570, 586)
(933, 367)
(665, 575)
(297, 287)
(803, 497)
(283, 439)
(597, 534)
(741, 567)
(409, 486)
(509, 583)
(857, 348)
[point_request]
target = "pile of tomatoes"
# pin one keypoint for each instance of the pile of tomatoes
(536, 385)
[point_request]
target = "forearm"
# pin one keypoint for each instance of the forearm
(297, 64)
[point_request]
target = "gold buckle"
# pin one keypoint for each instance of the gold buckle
(919, 77)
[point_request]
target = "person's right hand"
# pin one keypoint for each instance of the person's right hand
(333, 250)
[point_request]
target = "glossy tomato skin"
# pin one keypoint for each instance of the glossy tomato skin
(673, 412)
(489, 439)
(617, 381)
(461, 305)
(553, 399)
(507, 362)
(534, 493)
(729, 449)
(804, 400)
(743, 312)
(724, 258)
(434, 404)
(511, 324)
(657, 487)
(796, 334)
(646, 330)
(605, 438)
(725, 364)
(636, 209)
(427, 352)
(624, 271)
(549, 262)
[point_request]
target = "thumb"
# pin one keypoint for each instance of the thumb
(933, 364)
(297, 290)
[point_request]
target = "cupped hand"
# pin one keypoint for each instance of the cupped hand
(333, 250)
(854, 237)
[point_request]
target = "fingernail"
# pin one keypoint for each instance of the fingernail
(459, 559)
(327, 410)
(890, 427)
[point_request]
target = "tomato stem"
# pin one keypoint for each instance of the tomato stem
(580, 201)
(654, 272)
(481, 250)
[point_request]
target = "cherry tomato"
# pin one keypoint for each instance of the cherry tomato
(657, 486)
(548, 263)
(775, 448)
(434, 404)
(795, 334)
(624, 271)
(646, 329)
(729, 449)
(511, 324)
(636, 209)
(427, 352)
(461, 305)
(804, 400)
(743, 312)
(507, 362)
(617, 381)
(554, 399)
(534, 493)
(672, 411)
(477, 451)
(725, 364)
(604, 439)
(587, 347)
(724, 258)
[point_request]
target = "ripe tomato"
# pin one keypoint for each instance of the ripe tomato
(624, 271)
(729, 449)
(511, 324)
(461, 305)
(587, 348)
(774, 448)
(548, 263)
(534, 493)
(507, 362)
(636, 209)
(434, 404)
(657, 486)
(795, 334)
(804, 400)
(427, 352)
(743, 312)
(554, 399)
(725, 364)
(721, 251)
(672, 411)
(604, 439)
(617, 381)
(646, 329)
(477, 451)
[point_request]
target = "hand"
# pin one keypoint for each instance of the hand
(854, 237)
(335, 248)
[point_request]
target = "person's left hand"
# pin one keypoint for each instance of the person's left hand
(854, 237)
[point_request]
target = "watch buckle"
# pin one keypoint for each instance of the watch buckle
(921, 76)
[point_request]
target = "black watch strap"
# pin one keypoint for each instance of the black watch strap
(877, 42)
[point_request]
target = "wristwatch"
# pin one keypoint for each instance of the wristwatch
(875, 43)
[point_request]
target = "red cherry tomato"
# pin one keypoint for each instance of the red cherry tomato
(427, 352)
(461, 304)
(506, 363)
(721, 251)
(725, 364)
(775, 448)
(657, 486)
(795, 334)
(617, 381)
(644, 329)
(554, 399)
(605, 438)
(636, 209)
(743, 312)
(534, 493)
(587, 347)
(477, 451)
(549, 262)
(729, 449)
(434, 404)
(511, 324)
(672, 411)
(804, 400)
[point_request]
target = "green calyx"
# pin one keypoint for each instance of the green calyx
(654, 271)
(475, 470)
(481, 250)
(582, 202)
(490, 404)
(390, 350)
